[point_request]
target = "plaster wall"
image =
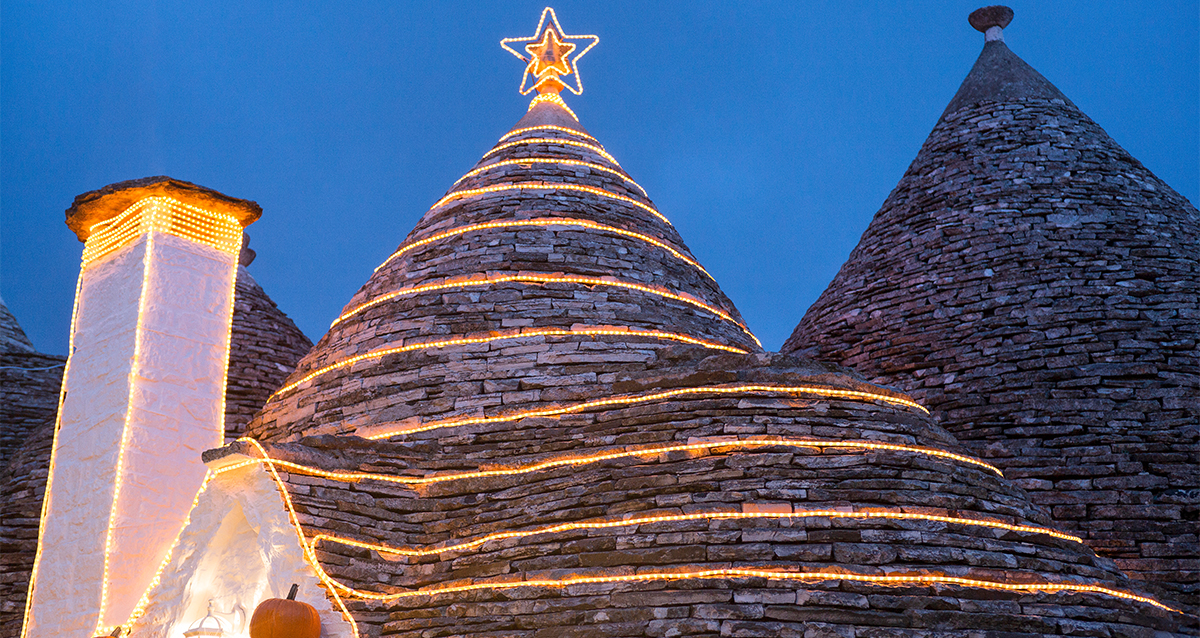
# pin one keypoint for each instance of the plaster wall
(151, 346)
(176, 409)
(238, 549)
(69, 573)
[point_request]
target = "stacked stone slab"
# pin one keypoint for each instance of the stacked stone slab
(764, 486)
(602, 268)
(265, 346)
(29, 386)
(1039, 290)
(22, 487)
(654, 427)
(29, 383)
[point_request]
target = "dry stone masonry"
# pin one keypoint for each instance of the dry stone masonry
(587, 280)
(770, 483)
(542, 417)
(265, 346)
(29, 386)
(427, 376)
(1039, 290)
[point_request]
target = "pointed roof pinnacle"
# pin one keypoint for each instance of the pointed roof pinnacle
(991, 21)
(999, 74)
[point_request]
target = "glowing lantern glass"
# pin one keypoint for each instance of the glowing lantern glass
(209, 625)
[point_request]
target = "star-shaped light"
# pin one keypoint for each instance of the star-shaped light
(551, 56)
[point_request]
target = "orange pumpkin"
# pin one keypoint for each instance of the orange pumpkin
(280, 618)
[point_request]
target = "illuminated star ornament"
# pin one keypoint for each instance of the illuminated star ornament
(551, 55)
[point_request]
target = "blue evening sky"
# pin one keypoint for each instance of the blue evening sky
(768, 132)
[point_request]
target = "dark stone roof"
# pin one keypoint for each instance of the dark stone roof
(758, 483)
(265, 346)
(12, 336)
(1039, 289)
(29, 385)
(22, 486)
(1000, 76)
(622, 261)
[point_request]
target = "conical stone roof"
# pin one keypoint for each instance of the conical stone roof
(29, 387)
(265, 346)
(543, 271)
(1039, 289)
(12, 336)
(541, 416)
(730, 495)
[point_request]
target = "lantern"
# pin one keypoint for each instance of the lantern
(280, 618)
(209, 625)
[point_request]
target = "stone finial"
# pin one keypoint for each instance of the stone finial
(246, 257)
(991, 21)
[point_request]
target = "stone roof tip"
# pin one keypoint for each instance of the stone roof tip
(549, 113)
(104, 203)
(999, 75)
(991, 21)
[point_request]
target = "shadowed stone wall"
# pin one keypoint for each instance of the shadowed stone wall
(1037, 288)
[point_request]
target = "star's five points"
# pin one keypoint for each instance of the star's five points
(551, 56)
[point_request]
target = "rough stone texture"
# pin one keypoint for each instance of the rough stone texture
(403, 400)
(265, 346)
(719, 479)
(1039, 290)
(29, 386)
(458, 380)
(22, 486)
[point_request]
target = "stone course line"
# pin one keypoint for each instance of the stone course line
(548, 186)
(545, 221)
(770, 574)
(547, 127)
(547, 278)
(553, 160)
(547, 332)
(636, 451)
(554, 140)
(695, 516)
(630, 399)
(710, 574)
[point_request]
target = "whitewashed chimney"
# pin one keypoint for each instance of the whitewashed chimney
(143, 395)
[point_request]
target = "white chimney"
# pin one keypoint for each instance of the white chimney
(143, 396)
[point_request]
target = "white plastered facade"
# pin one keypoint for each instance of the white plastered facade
(144, 397)
(239, 548)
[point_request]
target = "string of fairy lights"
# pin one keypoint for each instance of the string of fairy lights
(544, 222)
(308, 544)
(634, 521)
(145, 217)
(384, 431)
(525, 333)
(557, 161)
(545, 278)
(682, 573)
(710, 445)
(549, 59)
(162, 214)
